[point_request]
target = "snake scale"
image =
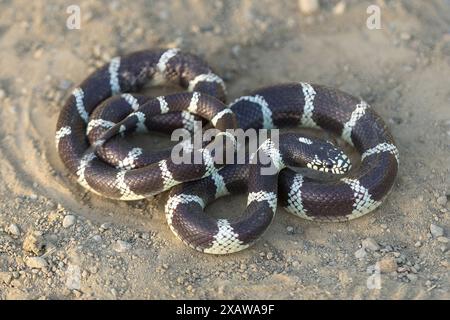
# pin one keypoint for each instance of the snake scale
(106, 106)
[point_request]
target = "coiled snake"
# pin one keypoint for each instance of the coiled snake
(104, 107)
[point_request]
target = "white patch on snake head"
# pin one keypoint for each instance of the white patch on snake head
(305, 140)
(339, 164)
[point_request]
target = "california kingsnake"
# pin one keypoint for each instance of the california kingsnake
(106, 165)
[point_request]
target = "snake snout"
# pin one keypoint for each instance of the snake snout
(331, 159)
(340, 164)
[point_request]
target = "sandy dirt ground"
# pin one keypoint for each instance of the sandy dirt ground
(58, 241)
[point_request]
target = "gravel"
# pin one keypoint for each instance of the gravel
(443, 239)
(5, 277)
(388, 264)
(442, 200)
(412, 277)
(309, 6)
(34, 243)
(82, 259)
(405, 36)
(122, 246)
(69, 221)
(360, 253)
(339, 8)
(104, 227)
(436, 231)
(14, 230)
(36, 262)
(370, 244)
(73, 277)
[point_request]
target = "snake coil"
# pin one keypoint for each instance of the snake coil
(106, 105)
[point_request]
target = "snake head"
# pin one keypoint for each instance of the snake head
(313, 153)
(328, 158)
(319, 154)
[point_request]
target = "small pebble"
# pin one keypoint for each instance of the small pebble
(104, 227)
(235, 50)
(34, 242)
(360, 253)
(442, 200)
(36, 262)
(290, 229)
(73, 277)
(396, 120)
(370, 244)
(269, 256)
(412, 277)
(195, 28)
(339, 8)
(443, 240)
(418, 244)
(309, 6)
(5, 277)
(122, 246)
(93, 270)
(405, 36)
(402, 269)
(97, 50)
(68, 221)
(436, 231)
(38, 53)
(64, 84)
(387, 265)
(14, 230)
(371, 269)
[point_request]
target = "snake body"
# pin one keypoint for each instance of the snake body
(126, 181)
(105, 106)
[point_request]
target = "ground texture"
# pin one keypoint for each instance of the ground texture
(58, 241)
